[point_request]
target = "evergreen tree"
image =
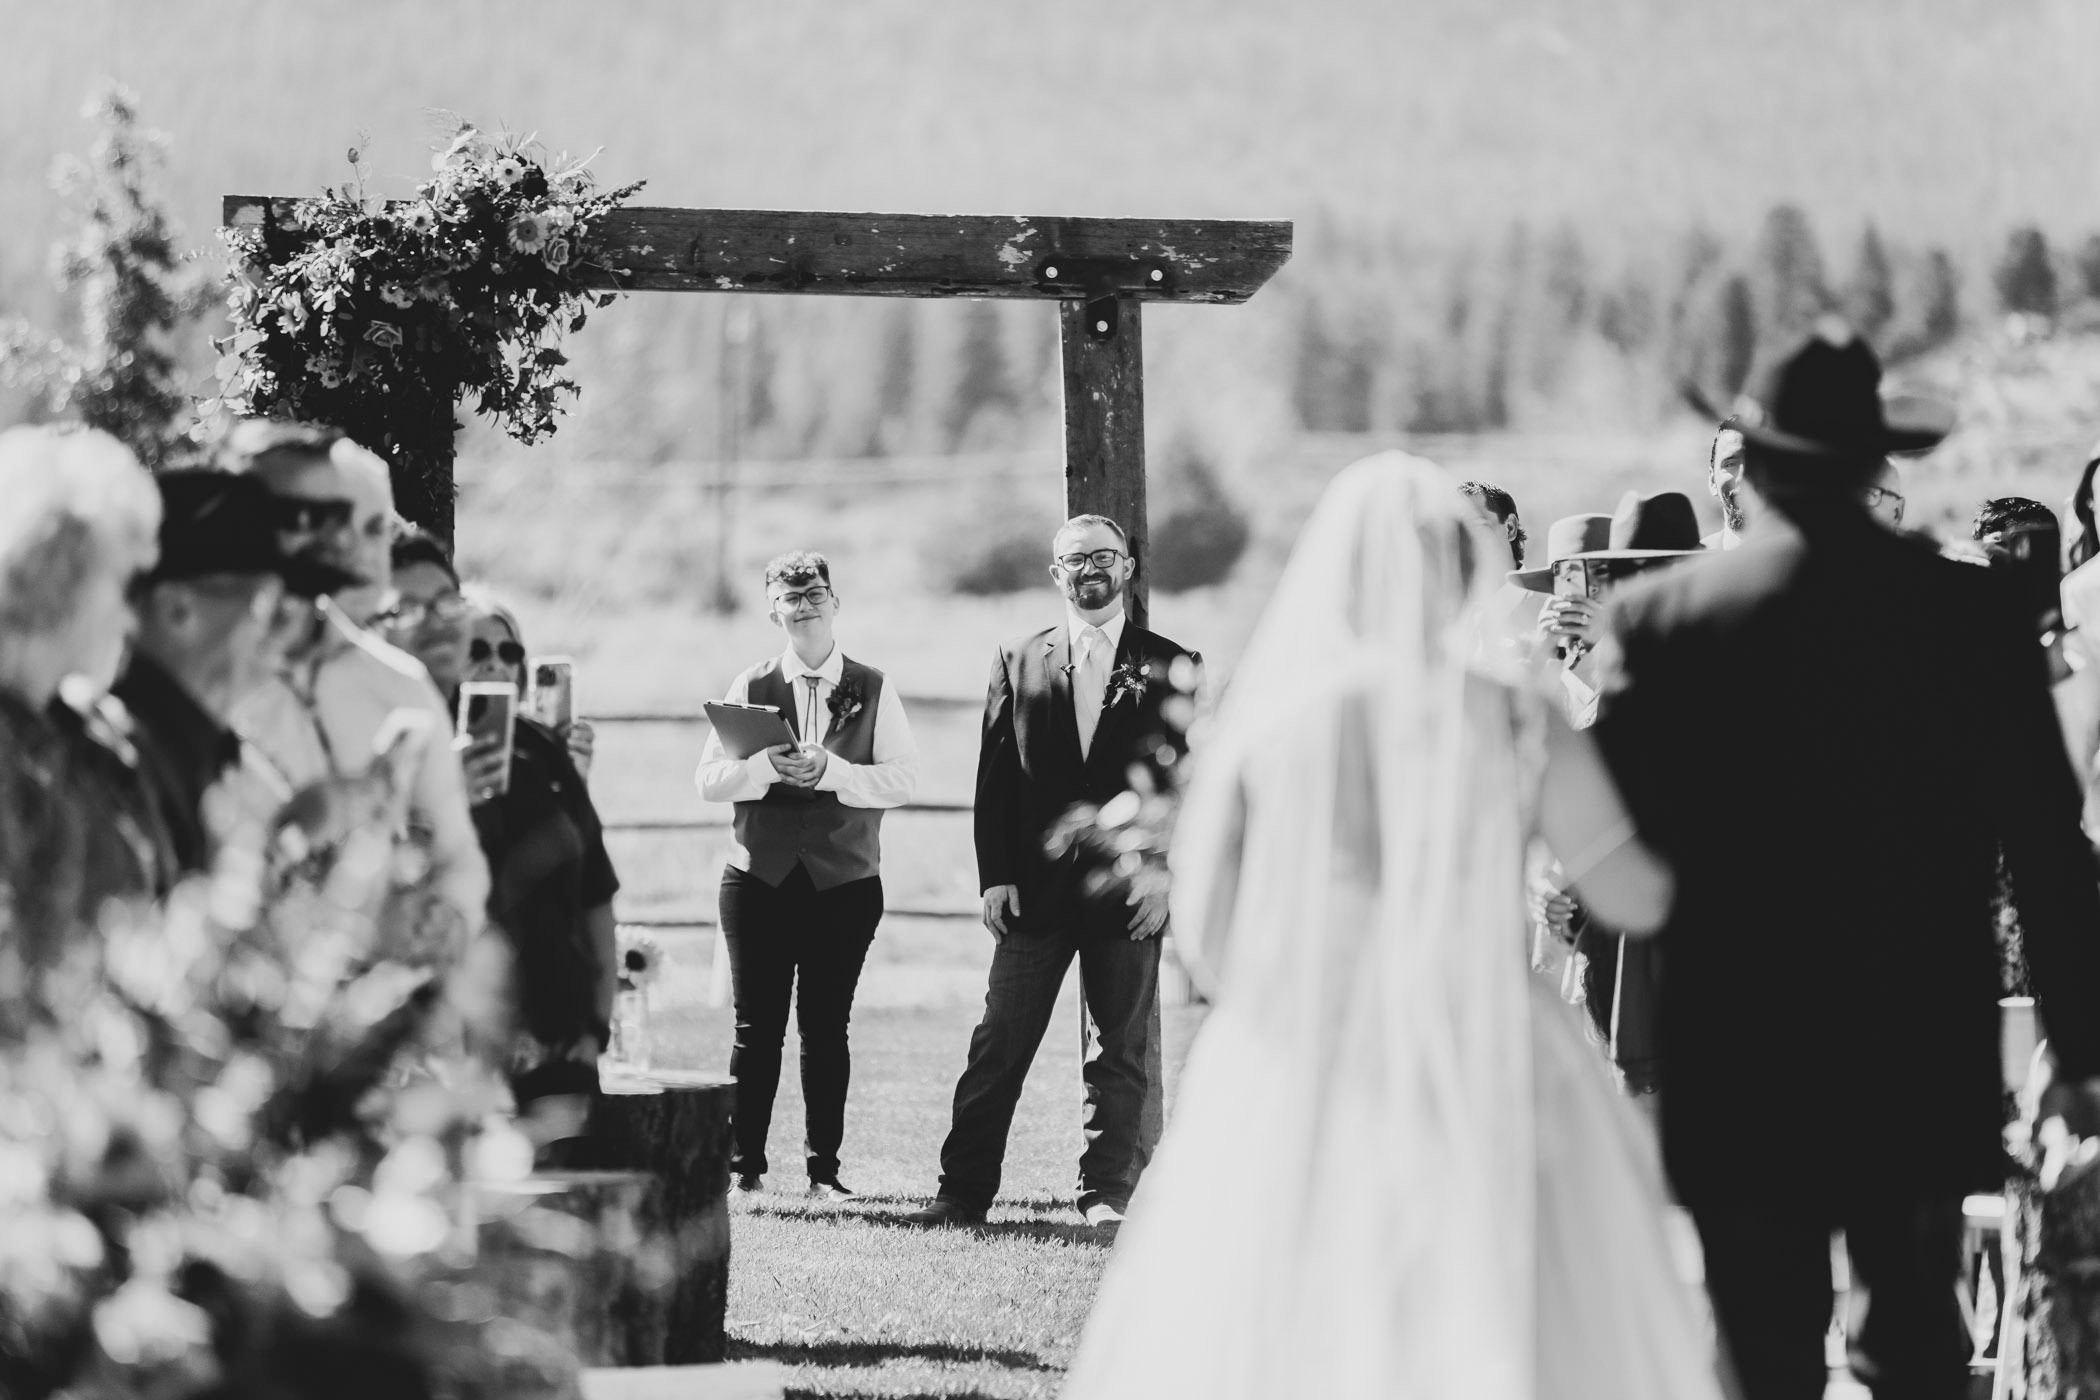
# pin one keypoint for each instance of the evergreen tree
(2088, 262)
(1312, 367)
(1869, 298)
(1733, 347)
(897, 374)
(985, 382)
(1626, 316)
(2024, 279)
(1942, 299)
(138, 295)
(1789, 290)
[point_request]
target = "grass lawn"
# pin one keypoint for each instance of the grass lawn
(859, 1305)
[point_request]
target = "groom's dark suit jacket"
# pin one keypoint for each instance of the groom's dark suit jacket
(1030, 772)
(1829, 732)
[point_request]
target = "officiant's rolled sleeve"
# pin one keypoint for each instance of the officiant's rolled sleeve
(721, 778)
(893, 777)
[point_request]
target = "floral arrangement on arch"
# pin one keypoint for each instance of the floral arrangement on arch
(380, 316)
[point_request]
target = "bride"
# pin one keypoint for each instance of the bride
(1396, 1169)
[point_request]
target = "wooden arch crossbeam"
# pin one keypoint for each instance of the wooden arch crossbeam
(1099, 272)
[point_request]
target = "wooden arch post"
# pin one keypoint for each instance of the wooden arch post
(1099, 271)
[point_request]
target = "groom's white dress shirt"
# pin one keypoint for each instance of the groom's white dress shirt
(887, 782)
(1093, 658)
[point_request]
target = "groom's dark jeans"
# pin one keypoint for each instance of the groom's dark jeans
(1768, 1273)
(777, 937)
(1121, 980)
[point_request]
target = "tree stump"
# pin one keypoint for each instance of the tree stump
(674, 1124)
(584, 1257)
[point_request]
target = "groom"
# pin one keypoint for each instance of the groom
(1070, 708)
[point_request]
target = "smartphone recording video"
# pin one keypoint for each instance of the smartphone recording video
(488, 712)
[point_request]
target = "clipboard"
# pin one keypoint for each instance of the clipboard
(748, 729)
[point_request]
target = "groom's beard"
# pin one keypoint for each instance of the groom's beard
(1731, 509)
(1094, 592)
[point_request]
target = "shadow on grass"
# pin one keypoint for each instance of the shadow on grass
(855, 1354)
(1023, 1220)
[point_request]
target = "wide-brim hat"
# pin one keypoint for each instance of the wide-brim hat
(1566, 538)
(1661, 526)
(1823, 399)
(217, 522)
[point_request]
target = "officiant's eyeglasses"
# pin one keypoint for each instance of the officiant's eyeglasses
(816, 597)
(1103, 559)
(509, 653)
(1880, 497)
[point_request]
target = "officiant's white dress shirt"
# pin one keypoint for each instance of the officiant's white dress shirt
(1090, 678)
(887, 782)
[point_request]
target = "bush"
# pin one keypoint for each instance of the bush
(996, 549)
(1198, 534)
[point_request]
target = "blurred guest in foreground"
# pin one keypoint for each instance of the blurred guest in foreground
(496, 652)
(323, 713)
(78, 519)
(1896, 729)
(552, 882)
(215, 617)
(802, 889)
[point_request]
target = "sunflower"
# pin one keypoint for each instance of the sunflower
(508, 171)
(528, 232)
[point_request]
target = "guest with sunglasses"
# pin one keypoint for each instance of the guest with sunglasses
(496, 652)
(552, 882)
(802, 890)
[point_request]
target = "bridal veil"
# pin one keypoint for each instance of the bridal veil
(1347, 1200)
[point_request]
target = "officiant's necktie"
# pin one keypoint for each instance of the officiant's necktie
(1089, 684)
(810, 732)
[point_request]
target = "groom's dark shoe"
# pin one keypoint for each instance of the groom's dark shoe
(944, 1212)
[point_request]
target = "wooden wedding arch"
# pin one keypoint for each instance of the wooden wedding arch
(1099, 272)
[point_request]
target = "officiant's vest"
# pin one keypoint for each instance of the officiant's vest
(793, 826)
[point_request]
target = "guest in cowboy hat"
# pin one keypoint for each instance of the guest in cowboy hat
(1897, 730)
(1644, 533)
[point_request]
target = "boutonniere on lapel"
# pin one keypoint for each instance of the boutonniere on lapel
(1127, 681)
(846, 701)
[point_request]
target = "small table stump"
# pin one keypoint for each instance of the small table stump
(570, 1254)
(674, 1124)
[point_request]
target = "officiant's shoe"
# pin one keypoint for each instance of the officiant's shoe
(832, 1190)
(944, 1212)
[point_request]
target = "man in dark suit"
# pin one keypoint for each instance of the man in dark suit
(1829, 1024)
(1069, 710)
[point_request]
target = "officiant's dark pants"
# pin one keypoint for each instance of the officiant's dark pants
(777, 936)
(1768, 1273)
(1121, 981)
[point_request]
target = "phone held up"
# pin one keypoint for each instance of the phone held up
(488, 711)
(553, 692)
(1572, 578)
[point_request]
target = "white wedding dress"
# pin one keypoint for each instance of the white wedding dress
(1395, 1168)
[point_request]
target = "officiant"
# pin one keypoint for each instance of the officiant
(802, 890)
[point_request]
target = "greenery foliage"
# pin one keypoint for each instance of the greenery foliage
(2024, 279)
(1196, 531)
(378, 317)
(234, 1152)
(138, 295)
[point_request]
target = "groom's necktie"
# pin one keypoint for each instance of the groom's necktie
(1089, 684)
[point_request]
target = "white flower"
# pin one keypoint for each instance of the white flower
(508, 171)
(385, 334)
(641, 958)
(394, 294)
(557, 254)
(317, 364)
(331, 377)
(560, 216)
(420, 219)
(528, 232)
